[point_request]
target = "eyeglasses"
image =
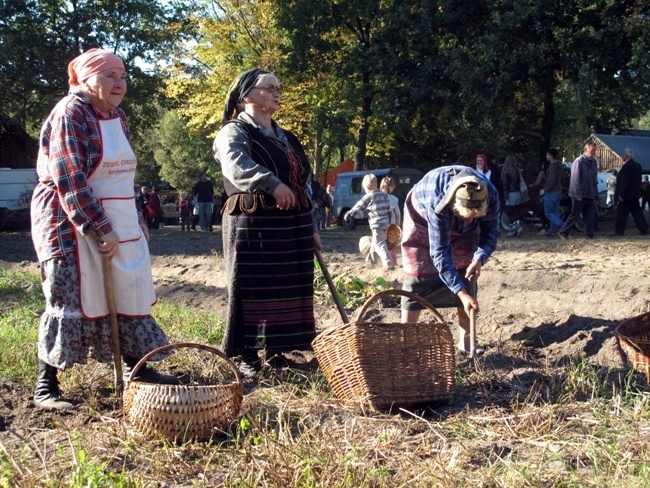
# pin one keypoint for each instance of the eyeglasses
(270, 88)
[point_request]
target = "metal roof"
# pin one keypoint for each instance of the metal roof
(639, 144)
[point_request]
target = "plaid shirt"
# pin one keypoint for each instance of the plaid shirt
(70, 150)
(377, 204)
(426, 194)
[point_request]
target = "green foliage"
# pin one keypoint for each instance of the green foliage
(21, 302)
(181, 155)
(6, 471)
(462, 77)
(235, 35)
(404, 83)
(40, 37)
(353, 292)
(183, 324)
(90, 473)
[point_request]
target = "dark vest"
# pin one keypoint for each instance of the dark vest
(271, 154)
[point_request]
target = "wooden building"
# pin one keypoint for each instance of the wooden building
(17, 148)
(609, 149)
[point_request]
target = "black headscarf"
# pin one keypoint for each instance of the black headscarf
(238, 90)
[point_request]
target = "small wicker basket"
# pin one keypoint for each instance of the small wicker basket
(182, 412)
(386, 365)
(633, 336)
(393, 236)
(364, 245)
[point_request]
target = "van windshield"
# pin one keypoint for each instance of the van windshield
(356, 185)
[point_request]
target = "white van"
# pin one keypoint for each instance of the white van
(16, 187)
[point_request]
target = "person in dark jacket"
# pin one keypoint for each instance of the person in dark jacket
(553, 191)
(583, 190)
(203, 191)
(628, 193)
(645, 193)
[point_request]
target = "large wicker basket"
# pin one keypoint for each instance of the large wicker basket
(633, 336)
(182, 412)
(386, 365)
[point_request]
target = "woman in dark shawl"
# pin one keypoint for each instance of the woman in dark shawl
(268, 233)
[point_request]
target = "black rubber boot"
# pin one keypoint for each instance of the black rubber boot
(47, 393)
(250, 364)
(146, 374)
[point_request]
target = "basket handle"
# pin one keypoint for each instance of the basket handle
(213, 350)
(408, 294)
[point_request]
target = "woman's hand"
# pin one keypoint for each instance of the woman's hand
(469, 302)
(284, 197)
(107, 244)
(317, 242)
(474, 270)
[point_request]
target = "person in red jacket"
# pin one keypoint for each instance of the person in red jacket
(186, 207)
(155, 212)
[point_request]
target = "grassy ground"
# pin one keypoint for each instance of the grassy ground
(577, 425)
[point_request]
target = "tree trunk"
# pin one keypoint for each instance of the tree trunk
(318, 153)
(548, 120)
(362, 134)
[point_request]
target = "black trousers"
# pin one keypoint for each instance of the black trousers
(586, 207)
(626, 208)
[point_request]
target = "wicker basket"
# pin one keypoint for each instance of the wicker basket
(385, 365)
(182, 412)
(393, 236)
(364, 245)
(634, 338)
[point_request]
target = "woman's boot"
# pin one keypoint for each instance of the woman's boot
(146, 374)
(47, 393)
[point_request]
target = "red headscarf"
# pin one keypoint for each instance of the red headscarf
(486, 168)
(90, 63)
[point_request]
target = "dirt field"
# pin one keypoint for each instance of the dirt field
(549, 300)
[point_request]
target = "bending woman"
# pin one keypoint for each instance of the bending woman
(268, 232)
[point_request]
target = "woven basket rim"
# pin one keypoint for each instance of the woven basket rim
(139, 384)
(621, 329)
(177, 345)
(358, 320)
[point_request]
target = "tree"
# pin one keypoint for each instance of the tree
(182, 154)
(232, 36)
(525, 58)
(341, 39)
(413, 82)
(40, 37)
(236, 35)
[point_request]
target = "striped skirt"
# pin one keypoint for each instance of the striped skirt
(269, 255)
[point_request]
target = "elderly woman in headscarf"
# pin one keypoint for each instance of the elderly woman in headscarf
(451, 224)
(268, 232)
(84, 210)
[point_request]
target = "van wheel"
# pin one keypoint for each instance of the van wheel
(349, 224)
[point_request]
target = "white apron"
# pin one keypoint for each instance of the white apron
(112, 184)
